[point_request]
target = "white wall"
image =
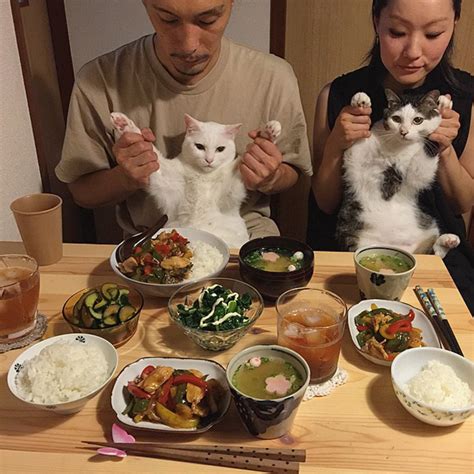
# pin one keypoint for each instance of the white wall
(19, 171)
(98, 26)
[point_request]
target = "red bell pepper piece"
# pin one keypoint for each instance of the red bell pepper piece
(137, 391)
(411, 315)
(402, 325)
(163, 249)
(147, 270)
(165, 391)
(137, 250)
(391, 356)
(148, 258)
(361, 327)
(190, 378)
(147, 371)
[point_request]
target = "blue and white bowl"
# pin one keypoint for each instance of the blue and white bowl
(73, 406)
(409, 363)
(268, 419)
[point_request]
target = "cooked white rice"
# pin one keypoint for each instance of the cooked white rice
(206, 259)
(62, 372)
(437, 385)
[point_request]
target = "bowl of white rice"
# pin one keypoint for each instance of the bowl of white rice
(210, 257)
(434, 385)
(62, 373)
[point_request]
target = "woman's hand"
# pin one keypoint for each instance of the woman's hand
(351, 124)
(447, 130)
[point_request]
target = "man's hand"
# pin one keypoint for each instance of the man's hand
(136, 158)
(260, 164)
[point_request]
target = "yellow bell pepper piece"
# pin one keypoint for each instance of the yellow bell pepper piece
(172, 419)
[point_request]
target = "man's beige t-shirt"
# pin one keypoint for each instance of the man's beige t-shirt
(245, 86)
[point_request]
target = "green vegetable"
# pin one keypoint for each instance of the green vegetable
(364, 336)
(399, 343)
(216, 309)
(140, 405)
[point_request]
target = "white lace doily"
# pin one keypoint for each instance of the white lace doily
(322, 389)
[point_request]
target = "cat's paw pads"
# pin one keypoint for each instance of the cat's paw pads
(444, 103)
(122, 123)
(361, 99)
(271, 131)
(450, 241)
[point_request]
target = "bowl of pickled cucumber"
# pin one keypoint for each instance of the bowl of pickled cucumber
(109, 310)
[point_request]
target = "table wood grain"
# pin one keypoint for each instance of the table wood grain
(360, 427)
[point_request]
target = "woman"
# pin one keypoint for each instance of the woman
(411, 52)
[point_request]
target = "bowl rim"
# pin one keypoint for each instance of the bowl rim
(260, 347)
(413, 352)
(358, 251)
(261, 272)
(184, 288)
(225, 260)
(11, 378)
(30, 274)
(84, 290)
(176, 430)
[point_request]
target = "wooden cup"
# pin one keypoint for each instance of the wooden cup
(39, 220)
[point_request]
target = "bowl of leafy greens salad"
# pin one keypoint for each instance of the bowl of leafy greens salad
(217, 312)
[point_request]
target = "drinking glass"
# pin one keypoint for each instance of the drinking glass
(19, 293)
(312, 322)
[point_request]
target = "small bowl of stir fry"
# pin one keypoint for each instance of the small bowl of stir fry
(216, 313)
(171, 394)
(382, 329)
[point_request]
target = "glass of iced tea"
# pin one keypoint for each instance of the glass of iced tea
(312, 322)
(19, 292)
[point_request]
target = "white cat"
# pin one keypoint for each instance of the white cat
(202, 187)
(384, 174)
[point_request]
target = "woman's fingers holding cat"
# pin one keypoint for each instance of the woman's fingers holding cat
(447, 130)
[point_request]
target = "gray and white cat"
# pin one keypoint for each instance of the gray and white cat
(384, 174)
(202, 186)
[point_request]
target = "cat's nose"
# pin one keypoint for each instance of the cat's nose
(209, 160)
(403, 132)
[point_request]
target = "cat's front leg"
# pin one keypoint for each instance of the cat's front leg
(122, 124)
(361, 99)
(444, 243)
(271, 131)
(444, 103)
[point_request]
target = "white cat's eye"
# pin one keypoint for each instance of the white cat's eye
(220, 149)
(199, 146)
(418, 120)
(397, 118)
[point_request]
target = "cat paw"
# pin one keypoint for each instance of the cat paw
(450, 241)
(361, 99)
(271, 131)
(444, 103)
(122, 123)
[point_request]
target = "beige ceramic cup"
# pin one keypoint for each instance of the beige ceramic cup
(38, 217)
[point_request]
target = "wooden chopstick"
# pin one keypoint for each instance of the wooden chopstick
(297, 455)
(430, 310)
(444, 321)
(205, 457)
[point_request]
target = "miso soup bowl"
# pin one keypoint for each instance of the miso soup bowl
(272, 284)
(268, 419)
(382, 285)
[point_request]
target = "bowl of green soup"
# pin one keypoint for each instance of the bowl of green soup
(276, 264)
(268, 383)
(383, 272)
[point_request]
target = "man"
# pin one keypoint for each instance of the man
(186, 67)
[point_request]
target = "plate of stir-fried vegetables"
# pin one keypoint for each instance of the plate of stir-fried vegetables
(171, 394)
(382, 329)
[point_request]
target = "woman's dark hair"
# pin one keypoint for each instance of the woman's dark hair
(445, 66)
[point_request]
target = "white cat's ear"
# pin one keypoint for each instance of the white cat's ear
(393, 101)
(232, 130)
(192, 125)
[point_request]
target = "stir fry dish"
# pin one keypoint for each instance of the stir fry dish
(177, 398)
(103, 307)
(166, 259)
(383, 333)
(216, 309)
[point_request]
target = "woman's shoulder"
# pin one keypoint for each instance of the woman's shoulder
(466, 80)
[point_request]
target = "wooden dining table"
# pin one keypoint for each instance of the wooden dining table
(359, 427)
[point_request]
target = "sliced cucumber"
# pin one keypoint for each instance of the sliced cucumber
(126, 312)
(110, 291)
(100, 304)
(96, 314)
(111, 310)
(87, 319)
(110, 320)
(91, 299)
